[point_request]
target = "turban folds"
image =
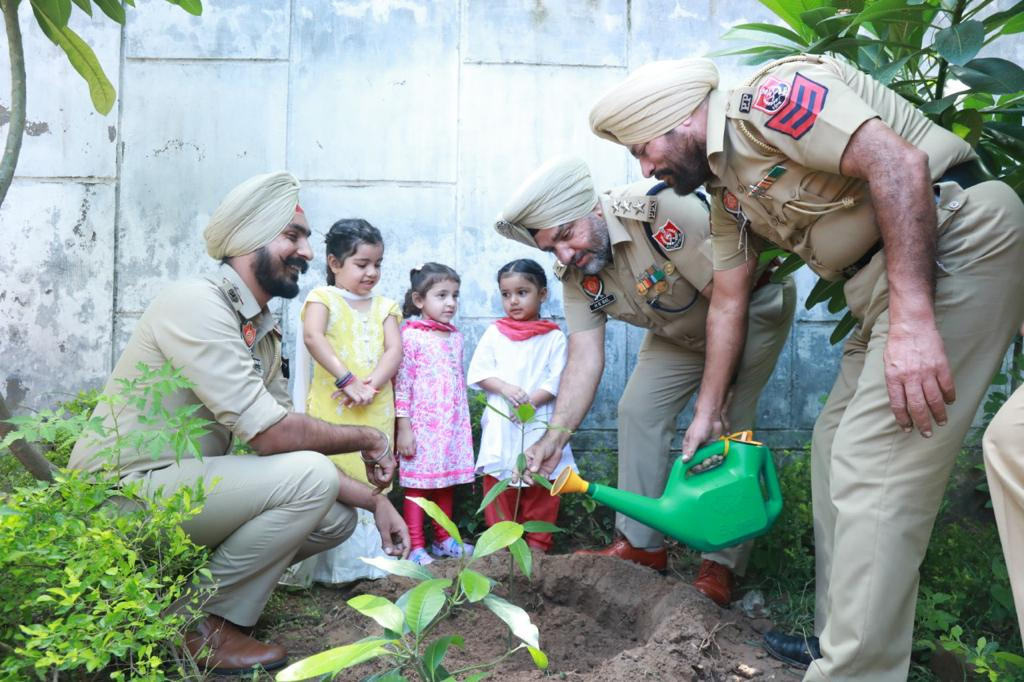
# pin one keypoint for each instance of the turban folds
(558, 192)
(653, 100)
(252, 215)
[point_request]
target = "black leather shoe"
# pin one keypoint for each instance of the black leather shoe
(798, 651)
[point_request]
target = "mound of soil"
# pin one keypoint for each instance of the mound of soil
(600, 620)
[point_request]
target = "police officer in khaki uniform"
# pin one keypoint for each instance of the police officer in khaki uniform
(261, 513)
(1004, 467)
(641, 254)
(820, 159)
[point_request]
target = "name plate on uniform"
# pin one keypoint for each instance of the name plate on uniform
(602, 301)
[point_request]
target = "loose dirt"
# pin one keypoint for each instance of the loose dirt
(600, 620)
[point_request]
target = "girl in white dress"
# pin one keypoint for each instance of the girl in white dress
(519, 360)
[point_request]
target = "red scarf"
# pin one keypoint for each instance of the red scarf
(426, 324)
(520, 330)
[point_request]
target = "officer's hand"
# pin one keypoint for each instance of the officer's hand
(701, 430)
(542, 457)
(394, 534)
(380, 463)
(918, 377)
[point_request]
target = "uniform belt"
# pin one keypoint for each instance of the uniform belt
(966, 174)
(850, 270)
(766, 275)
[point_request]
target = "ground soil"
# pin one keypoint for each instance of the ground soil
(600, 620)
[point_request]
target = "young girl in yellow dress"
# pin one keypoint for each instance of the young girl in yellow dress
(354, 338)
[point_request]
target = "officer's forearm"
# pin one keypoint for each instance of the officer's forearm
(300, 432)
(726, 331)
(578, 386)
(356, 493)
(899, 181)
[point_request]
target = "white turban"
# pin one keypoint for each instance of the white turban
(558, 192)
(653, 100)
(252, 215)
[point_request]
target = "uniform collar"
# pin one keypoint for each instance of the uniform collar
(239, 295)
(716, 131)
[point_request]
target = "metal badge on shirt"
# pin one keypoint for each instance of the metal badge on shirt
(594, 288)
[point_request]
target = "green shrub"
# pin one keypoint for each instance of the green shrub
(88, 587)
(91, 567)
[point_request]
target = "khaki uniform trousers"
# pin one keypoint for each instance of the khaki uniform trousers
(1004, 467)
(260, 515)
(876, 490)
(665, 377)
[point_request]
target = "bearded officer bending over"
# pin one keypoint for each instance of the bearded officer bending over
(830, 164)
(266, 512)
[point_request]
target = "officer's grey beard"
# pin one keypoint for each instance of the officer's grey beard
(273, 276)
(601, 247)
(687, 166)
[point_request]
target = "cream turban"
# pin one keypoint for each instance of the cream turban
(558, 192)
(653, 100)
(251, 215)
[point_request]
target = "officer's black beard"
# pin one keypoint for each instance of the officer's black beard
(687, 167)
(275, 280)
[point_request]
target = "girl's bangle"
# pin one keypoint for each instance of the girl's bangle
(342, 382)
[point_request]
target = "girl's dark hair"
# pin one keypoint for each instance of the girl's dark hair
(344, 238)
(421, 279)
(528, 268)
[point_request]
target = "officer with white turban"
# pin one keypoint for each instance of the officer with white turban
(290, 502)
(815, 157)
(640, 254)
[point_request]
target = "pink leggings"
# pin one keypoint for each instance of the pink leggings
(415, 516)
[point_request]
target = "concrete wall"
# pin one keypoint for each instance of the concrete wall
(419, 116)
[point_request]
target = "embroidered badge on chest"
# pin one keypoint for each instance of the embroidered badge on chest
(594, 288)
(771, 95)
(669, 236)
(797, 116)
(249, 333)
(733, 208)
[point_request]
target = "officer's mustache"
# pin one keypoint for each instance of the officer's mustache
(301, 263)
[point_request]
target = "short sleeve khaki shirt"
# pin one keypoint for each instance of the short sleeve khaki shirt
(774, 146)
(214, 331)
(661, 260)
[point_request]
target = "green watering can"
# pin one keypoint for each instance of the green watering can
(726, 494)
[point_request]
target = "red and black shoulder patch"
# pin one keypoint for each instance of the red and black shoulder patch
(798, 114)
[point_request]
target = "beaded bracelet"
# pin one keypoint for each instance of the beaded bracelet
(342, 382)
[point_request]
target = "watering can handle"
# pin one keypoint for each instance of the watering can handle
(719, 447)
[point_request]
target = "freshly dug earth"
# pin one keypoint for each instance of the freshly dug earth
(600, 620)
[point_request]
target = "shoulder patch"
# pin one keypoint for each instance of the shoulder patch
(643, 208)
(771, 95)
(801, 109)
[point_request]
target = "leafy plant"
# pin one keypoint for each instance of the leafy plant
(407, 646)
(925, 50)
(95, 571)
(985, 657)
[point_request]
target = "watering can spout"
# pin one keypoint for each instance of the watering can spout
(727, 493)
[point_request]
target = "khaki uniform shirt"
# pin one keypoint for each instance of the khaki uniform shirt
(672, 306)
(214, 331)
(774, 147)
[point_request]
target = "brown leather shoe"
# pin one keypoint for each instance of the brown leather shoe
(621, 549)
(715, 581)
(228, 650)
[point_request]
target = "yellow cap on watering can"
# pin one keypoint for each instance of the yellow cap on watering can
(727, 493)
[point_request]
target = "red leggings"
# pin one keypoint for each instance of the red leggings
(415, 516)
(535, 504)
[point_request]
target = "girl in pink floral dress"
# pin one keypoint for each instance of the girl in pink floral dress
(433, 432)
